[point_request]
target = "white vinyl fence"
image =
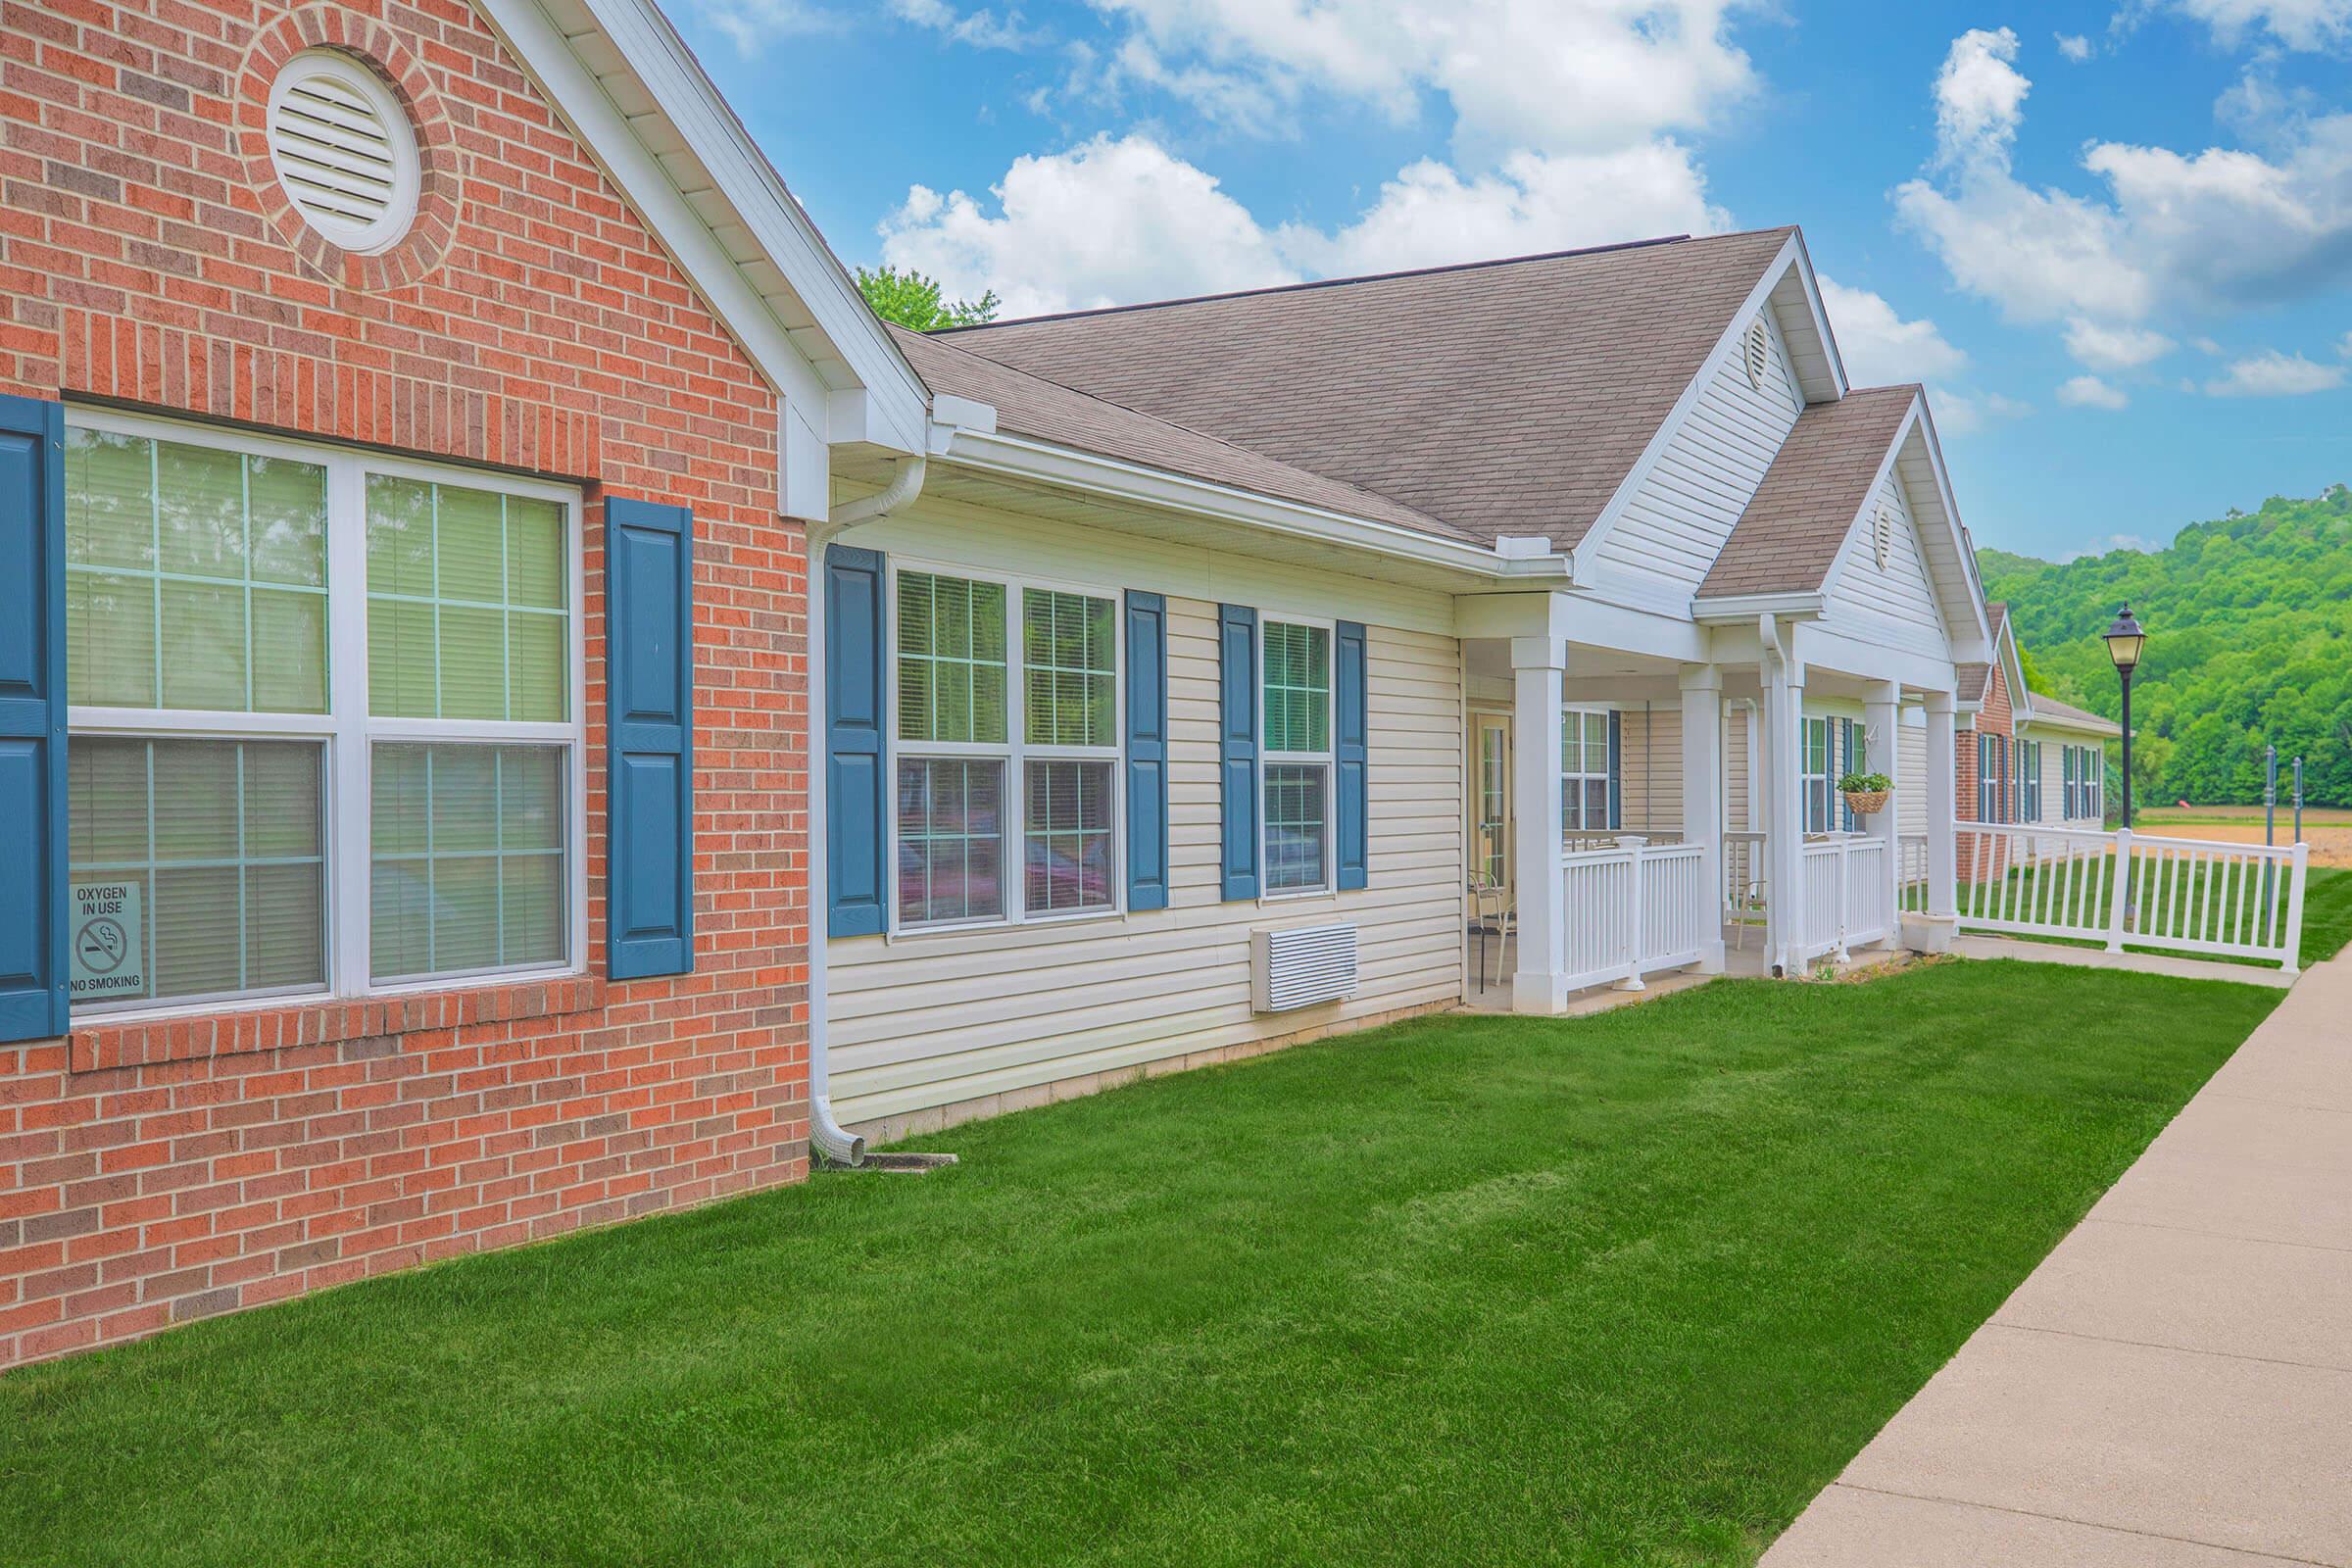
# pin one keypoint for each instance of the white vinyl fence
(1634, 909)
(2189, 896)
(1848, 895)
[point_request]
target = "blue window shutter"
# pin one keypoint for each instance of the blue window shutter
(855, 761)
(1147, 751)
(1350, 751)
(1837, 770)
(1237, 747)
(1616, 770)
(32, 719)
(648, 637)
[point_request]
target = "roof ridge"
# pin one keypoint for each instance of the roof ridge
(1361, 277)
(1230, 444)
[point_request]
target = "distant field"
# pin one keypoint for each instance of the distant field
(2327, 829)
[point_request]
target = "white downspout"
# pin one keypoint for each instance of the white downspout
(827, 1136)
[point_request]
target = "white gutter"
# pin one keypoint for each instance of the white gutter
(826, 1136)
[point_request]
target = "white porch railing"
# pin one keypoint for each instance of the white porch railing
(1634, 909)
(2189, 896)
(1911, 873)
(1848, 895)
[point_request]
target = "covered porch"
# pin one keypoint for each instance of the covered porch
(1634, 814)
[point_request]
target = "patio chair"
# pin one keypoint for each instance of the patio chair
(1494, 913)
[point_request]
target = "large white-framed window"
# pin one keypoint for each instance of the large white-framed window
(1295, 717)
(1006, 713)
(1988, 778)
(2028, 781)
(327, 710)
(1584, 779)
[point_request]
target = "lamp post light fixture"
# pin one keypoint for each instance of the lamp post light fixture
(2127, 640)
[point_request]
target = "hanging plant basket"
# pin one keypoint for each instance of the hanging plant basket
(1866, 794)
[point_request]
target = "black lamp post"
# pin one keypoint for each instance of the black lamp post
(2125, 640)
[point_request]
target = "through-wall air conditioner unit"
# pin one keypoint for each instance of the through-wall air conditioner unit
(1299, 965)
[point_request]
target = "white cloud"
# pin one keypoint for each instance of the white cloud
(2073, 46)
(1107, 223)
(2275, 374)
(2109, 543)
(2218, 228)
(2345, 347)
(1429, 214)
(2309, 25)
(1555, 76)
(1980, 97)
(1117, 220)
(1882, 349)
(2089, 392)
(2114, 347)
(982, 29)
(751, 24)
(1965, 413)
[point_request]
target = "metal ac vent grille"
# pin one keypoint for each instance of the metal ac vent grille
(1302, 965)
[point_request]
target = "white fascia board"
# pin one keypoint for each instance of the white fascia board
(1821, 318)
(670, 77)
(1741, 608)
(1587, 549)
(1818, 646)
(1019, 458)
(1574, 618)
(1972, 636)
(751, 184)
(2052, 724)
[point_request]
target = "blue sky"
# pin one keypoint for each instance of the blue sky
(2115, 239)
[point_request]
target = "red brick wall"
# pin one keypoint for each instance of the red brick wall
(1993, 717)
(154, 1173)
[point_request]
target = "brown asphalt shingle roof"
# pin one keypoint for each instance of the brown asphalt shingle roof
(1789, 535)
(1027, 405)
(1507, 397)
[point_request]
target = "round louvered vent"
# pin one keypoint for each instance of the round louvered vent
(344, 150)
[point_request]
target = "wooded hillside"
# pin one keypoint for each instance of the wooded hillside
(2250, 643)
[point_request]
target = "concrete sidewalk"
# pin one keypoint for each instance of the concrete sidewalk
(2173, 1386)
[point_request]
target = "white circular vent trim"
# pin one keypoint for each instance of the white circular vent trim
(344, 150)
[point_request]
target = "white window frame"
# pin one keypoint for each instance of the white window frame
(1326, 758)
(346, 730)
(1826, 777)
(1016, 751)
(1611, 806)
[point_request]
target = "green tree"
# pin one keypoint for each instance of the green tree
(2250, 623)
(914, 301)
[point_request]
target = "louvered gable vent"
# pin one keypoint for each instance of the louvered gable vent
(344, 150)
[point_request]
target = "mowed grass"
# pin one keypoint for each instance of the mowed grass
(1625, 1289)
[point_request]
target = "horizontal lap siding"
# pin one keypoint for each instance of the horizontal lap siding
(1911, 780)
(927, 1021)
(1649, 768)
(1672, 530)
(1892, 603)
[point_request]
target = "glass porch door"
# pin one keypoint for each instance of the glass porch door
(1491, 800)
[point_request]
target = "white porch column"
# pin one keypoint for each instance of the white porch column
(1943, 814)
(1539, 666)
(1784, 810)
(1703, 795)
(1882, 717)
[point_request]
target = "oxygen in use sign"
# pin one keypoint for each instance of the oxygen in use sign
(108, 939)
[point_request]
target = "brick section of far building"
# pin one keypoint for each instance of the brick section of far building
(154, 1172)
(1995, 719)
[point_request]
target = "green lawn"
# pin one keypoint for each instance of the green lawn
(1625, 1289)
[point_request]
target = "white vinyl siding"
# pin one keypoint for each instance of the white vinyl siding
(1649, 767)
(1892, 604)
(941, 1018)
(1911, 776)
(1672, 529)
